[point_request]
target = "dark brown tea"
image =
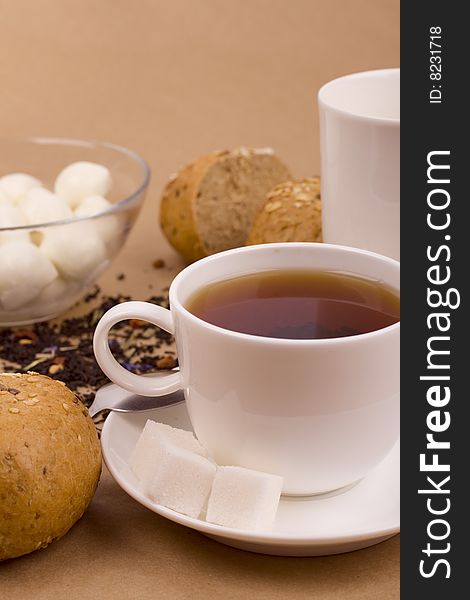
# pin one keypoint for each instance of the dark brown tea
(297, 304)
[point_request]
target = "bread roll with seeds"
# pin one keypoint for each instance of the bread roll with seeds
(291, 213)
(210, 204)
(50, 462)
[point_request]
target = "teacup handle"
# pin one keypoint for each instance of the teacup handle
(157, 384)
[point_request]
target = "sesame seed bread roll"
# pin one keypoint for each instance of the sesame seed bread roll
(210, 204)
(50, 462)
(291, 213)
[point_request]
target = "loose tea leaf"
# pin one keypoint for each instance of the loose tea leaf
(64, 350)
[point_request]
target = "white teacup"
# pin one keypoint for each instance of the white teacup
(321, 413)
(360, 161)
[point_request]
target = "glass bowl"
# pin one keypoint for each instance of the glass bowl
(82, 247)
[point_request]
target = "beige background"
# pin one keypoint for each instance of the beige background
(173, 79)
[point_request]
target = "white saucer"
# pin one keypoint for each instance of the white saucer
(360, 516)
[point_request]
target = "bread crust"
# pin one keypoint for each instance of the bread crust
(177, 218)
(291, 213)
(50, 462)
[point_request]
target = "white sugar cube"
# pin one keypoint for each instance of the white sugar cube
(11, 216)
(16, 185)
(152, 441)
(107, 227)
(39, 205)
(75, 249)
(244, 499)
(172, 468)
(82, 179)
(182, 480)
(24, 272)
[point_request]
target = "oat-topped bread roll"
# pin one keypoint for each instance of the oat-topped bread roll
(50, 462)
(210, 204)
(291, 213)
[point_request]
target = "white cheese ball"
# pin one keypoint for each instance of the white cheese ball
(92, 205)
(82, 179)
(108, 227)
(41, 206)
(56, 291)
(53, 292)
(24, 272)
(11, 216)
(4, 198)
(76, 250)
(16, 185)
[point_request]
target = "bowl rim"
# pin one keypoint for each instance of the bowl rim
(87, 143)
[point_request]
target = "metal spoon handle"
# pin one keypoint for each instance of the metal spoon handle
(113, 397)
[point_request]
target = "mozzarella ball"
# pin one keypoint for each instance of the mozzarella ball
(24, 272)
(11, 216)
(41, 206)
(56, 291)
(92, 205)
(16, 297)
(4, 198)
(75, 249)
(16, 185)
(108, 227)
(82, 179)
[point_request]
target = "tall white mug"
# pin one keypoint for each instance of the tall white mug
(319, 412)
(360, 161)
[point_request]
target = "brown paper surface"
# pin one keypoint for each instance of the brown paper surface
(174, 80)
